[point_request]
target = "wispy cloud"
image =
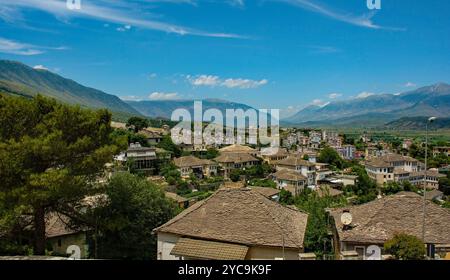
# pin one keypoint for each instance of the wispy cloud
(365, 94)
(163, 96)
(334, 95)
(19, 48)
(363, 20)
(119, 12)
(204, 80)
(213, 81)
(244, 83)
(323, 49)
(410, 84)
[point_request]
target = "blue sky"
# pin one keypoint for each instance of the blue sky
(282, 54)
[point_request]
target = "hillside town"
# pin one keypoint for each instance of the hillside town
(233, 139)
(321, 195)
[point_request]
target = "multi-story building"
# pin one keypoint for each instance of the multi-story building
(142, 158)
(398, 168)
(441, 150)
(298, 164)
(347, 152)
(230, 161)
(192, 165)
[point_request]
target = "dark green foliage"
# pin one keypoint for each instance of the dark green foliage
(365, 188)
(131, 137)
(317, 238)
(267, 183)
(235, 175)
(444, 185)
(168, 145)
(330, 156)
(135, 207)
(137, 124)
(51, 153)
(395, 187)
(211, 153)
(405, 247)
(286, 197)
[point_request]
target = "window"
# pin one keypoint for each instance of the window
(59, 242)
(361, 252)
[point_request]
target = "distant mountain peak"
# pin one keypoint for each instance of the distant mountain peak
(20, 79)
(433, 100)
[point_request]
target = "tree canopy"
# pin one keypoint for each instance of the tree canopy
(135, 207)
(51, 156)
(405, 247)
(137, 123)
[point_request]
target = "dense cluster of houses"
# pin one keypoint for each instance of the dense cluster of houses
(240, 222)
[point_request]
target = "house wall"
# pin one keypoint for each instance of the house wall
(267, 253)
(166, 242)
(59, 244)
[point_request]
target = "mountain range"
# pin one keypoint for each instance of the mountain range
(395, 111)
(378, 109)
(19, 79)
(164, 108)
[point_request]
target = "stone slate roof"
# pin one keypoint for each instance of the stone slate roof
(240, 216)
(378, 221)
(294, 160)
(289, 175)
(235, 157)
(189, 161)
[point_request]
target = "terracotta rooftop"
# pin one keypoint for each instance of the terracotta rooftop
(379, 220)
(240, 216)
(289, 175)
(327, 190)
(176, 197)
(266, 191)
(236, 148)
(294, 161)
(57, 225)
(235, 157)
(189, 161)
(208, 250)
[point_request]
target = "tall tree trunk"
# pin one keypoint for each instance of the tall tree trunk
(39, 230)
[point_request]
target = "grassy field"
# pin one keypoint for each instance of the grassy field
(434, 135)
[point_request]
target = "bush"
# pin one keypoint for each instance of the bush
(405, 247)
(235, 175)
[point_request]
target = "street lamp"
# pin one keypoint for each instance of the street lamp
(430, 120)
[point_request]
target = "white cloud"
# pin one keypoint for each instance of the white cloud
(163, 96)
(212, 81)
(334, 95)
(120, 12)
(40, 67)
(131, 98)
(238, 3)
(364, 94)
(19, 48)
(14, 47)
(243, 83)
(363, 21)
(205, 80)
(410, 84)
(153, 75)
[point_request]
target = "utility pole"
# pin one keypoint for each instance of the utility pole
(430, 120)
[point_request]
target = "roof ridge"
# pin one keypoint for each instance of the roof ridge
(186, 212)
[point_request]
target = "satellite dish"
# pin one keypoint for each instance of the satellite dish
(346, 218)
